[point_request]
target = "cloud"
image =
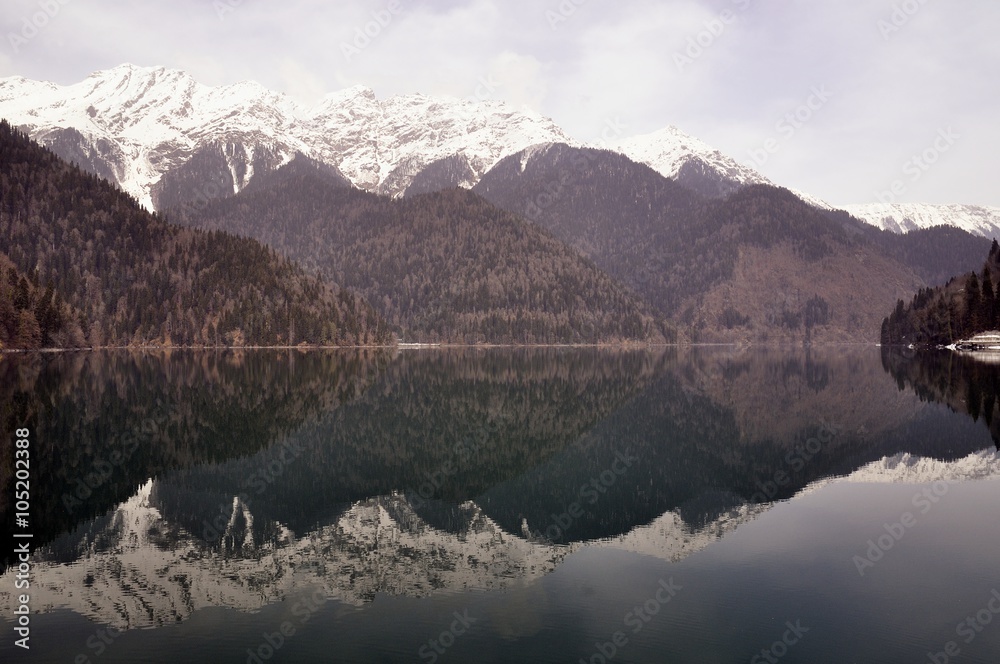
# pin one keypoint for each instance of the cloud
(300, 83)
(520, 80)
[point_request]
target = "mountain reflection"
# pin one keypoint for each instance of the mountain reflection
(257, 475)
(965, 382)
(103, 423)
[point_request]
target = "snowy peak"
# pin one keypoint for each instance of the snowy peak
(139, 124)
(905, 217)
(136, 568)
(667, 150)
(695, 164)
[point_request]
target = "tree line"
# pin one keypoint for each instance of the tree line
(963, 307)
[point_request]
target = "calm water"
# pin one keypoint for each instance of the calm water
(507, 506)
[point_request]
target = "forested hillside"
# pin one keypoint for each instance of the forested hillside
(962, 308)
(131, 278)
(34, 317)
(443, 267)
(935, 254)
(759, 265)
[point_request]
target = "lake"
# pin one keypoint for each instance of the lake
(506, 505)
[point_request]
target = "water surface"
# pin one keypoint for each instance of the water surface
(547, 505)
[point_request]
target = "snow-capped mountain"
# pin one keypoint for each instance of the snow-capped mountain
(904, 217)
(695, 164)
(166, 139)
(134, 568)
(669, 150)
(137, 125)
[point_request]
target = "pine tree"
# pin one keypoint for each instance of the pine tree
(988, 306)
(29, 334)
(973, 303)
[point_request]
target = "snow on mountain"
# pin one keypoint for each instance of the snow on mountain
(667, 150)
(137, 124)
(134, 568)
(138, 569)
(695, 164)
(906, 468)
(904, 217)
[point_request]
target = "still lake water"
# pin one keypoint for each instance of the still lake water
(551, 505)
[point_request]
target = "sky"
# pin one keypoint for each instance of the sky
(844, 100)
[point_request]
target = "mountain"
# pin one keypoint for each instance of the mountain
(906, 217)
(136, 126)
(935, 254)
(506, 441)
(137, 566)
(443, 267)
(709, 172)
(142, 569)
(167, 139)
(758, 265)
(136, 279)
(694, 164)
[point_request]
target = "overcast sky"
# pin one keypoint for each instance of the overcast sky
(726, 71)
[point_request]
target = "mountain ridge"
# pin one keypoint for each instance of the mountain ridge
(380, 145)
(140, 123)
(443, 267)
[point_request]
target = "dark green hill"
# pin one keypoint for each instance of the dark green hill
(758, 265)
(135, 279)
(960, 309)
(442, 267)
